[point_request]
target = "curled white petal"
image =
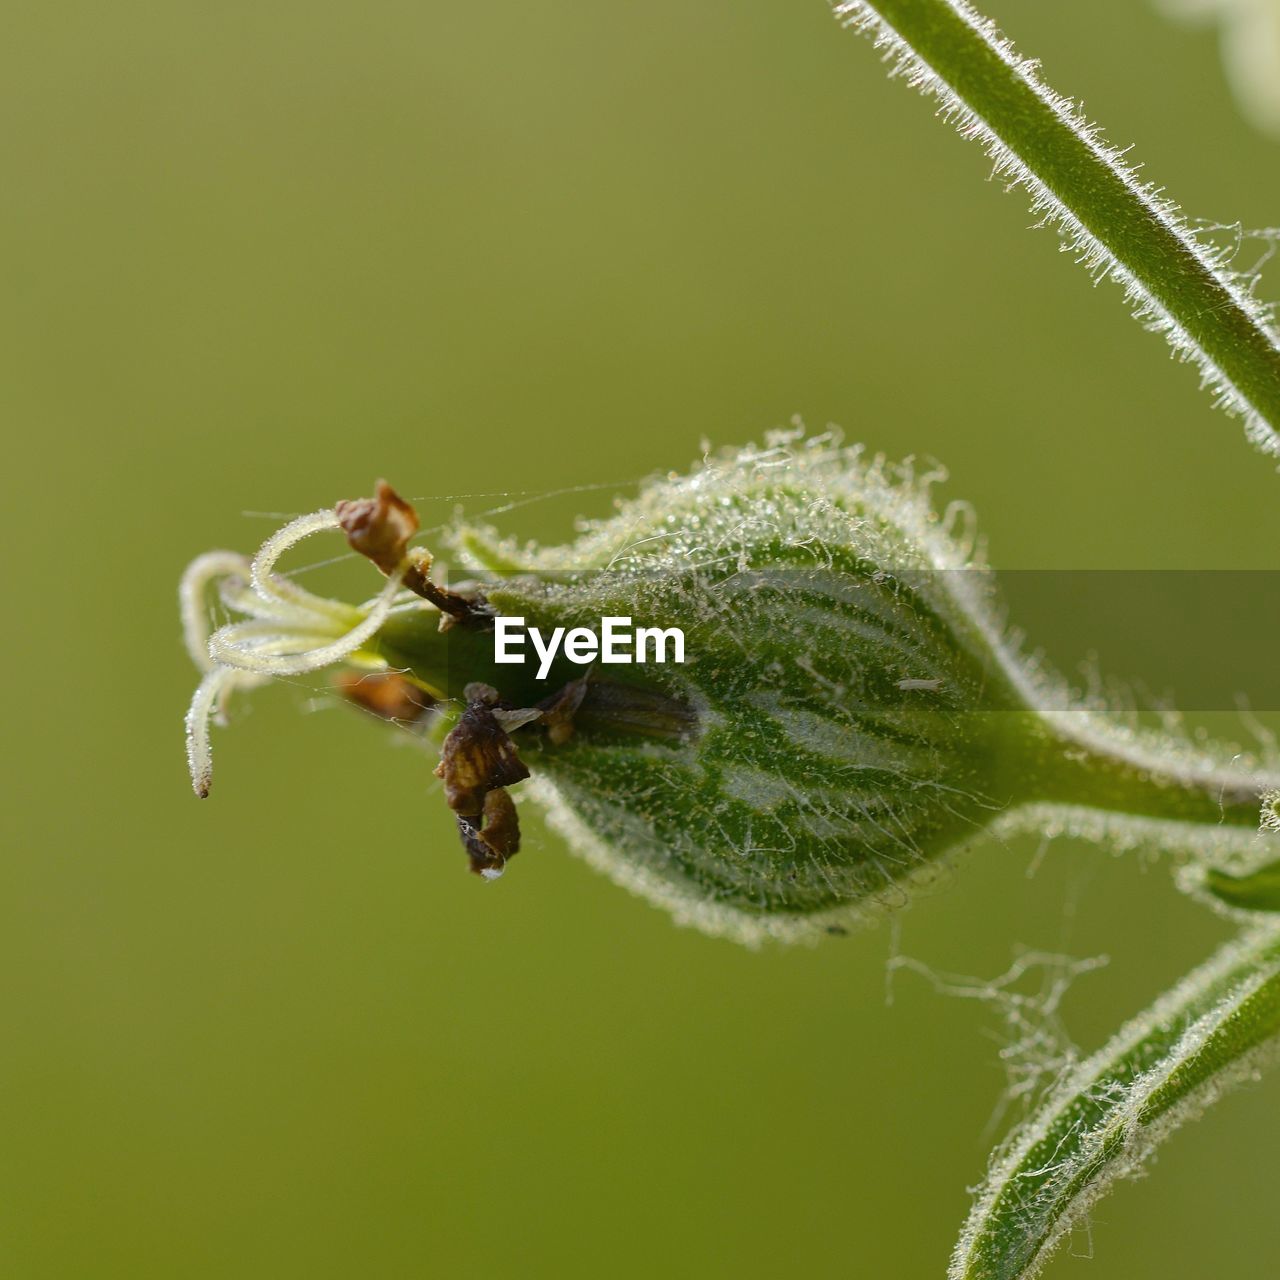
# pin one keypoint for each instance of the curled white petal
(256, 656)
(271, 586)
(286, 630)
(254, 633)
(206, 698)
(192, 604)
(235, 645)
(239, 597)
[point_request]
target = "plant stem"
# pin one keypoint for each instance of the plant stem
(1093, 765)
(1218, 1027)
(1119, 227)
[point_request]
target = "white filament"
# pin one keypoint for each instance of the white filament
(270, 586)
(287, 630)
(203, 570)
(199, 756)
(239, 646)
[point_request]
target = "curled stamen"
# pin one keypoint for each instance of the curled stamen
(227, 644)
(271, 586)
(199, 755)
(286, 631)
(240, 597)
(192, 605)
(239, 644)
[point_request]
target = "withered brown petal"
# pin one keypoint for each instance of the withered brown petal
(478, 756)
(386, 694)
(379, 527)
(560, 708)
(501, 826)
(496, 838)
(457, 610)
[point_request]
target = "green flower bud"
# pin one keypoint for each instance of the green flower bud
(848, 715)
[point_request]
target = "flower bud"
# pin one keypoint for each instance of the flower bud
(848, 714)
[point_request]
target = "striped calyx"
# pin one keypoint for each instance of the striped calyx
(847, 714)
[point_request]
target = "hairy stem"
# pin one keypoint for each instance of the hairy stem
(1080, 760)
(1119, 227)
(1218, 1027)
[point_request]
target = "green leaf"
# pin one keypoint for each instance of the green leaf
(1215, 1029)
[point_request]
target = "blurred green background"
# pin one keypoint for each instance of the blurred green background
(257, 255)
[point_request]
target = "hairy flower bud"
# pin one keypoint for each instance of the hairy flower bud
(847, 716)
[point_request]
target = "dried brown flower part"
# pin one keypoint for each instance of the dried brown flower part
(495, 839)
(559, 709)
(379, 527)
(457, 609)
(478, 755)
(387, 694)
(610, 706)
(478, 762)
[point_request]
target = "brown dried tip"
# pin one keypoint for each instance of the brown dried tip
(379, 527)
(387, 694)
(478, 755)
(477, 763)
(560, 708)
(495, 839)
